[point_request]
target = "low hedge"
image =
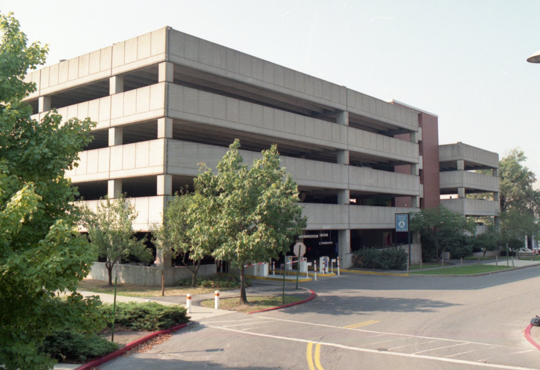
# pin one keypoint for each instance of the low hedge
(215, 281)
(74, 347)
(148, 316)
(383, 259)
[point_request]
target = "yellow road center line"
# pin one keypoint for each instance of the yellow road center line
(359, 324)
(309, 356)
(318, 356)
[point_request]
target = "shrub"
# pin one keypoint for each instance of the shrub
(460, 246)
(383, 259)
(149, 316)
(215, 281)
(71, 346)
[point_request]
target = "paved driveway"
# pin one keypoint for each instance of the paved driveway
(369, 322)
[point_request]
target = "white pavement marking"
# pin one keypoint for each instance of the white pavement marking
(413, 344)
(384, 353)
(515, 353)
(246, 323)
(461, 353)
(434, 349)
(384, 333)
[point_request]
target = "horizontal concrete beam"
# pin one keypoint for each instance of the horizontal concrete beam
(468, 180)
(472, 207)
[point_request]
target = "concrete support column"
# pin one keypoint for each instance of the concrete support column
(414, 137)
(461, 165)
(116, 136)
(497, 197)
(415, 169)
(165, 128)
(114, 188)
(461, 193)
(162, 261)
(116, 85)
(415, 202)
(166, 72)
(495, 172)
(497, 221)
(342, 118)
(343, 157)
(344, 196)
(44, 104)
(344, 245)
(164, 185)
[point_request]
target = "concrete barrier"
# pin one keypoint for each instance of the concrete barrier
(148, 276)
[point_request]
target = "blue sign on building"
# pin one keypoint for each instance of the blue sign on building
(402, 222)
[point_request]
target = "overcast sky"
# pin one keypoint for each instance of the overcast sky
(464, 60)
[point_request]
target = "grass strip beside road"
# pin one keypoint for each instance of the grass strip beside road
(463, 270)
(255, 303)
(134, 290)
(424, 266)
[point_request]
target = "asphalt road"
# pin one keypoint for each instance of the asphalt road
(369, 322)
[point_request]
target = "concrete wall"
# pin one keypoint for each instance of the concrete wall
(193, 105)
(460, 151)
(217, 59)
(472, 180)
(184, 159)
(138, 52)
(336, 217)
(145, 103)
(149, 209)
(130, 160)
(430, 158)
(148, 276)
(472, 207)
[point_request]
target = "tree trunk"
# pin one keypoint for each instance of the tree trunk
(194, 272)
(243, 298)
(109, 269)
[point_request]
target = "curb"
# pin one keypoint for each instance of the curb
(311, 297)
(300, 280)
(128, 347)
(374, 273)
(529, 337)
(473, 275)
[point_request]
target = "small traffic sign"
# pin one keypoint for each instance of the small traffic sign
(299, 249)
(402, 222)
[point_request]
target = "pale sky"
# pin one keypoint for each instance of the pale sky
(464, 60)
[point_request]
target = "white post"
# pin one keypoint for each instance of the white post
(216, 300)
(188, 303)
(332, 265)
(315, 269)
(338, 267)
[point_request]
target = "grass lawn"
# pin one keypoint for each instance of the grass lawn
(424, 266)
(465, 270)
(255, 303)
(133, 290)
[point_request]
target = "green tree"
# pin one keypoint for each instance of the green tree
(110, 230)
(488, 240)
(517, 225)
(183, 232)
(516, 184)
(254, 213)
(443, 226)
(41, 251)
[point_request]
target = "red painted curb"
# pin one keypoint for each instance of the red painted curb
(529, 337)
(311, 297)
(128, 347)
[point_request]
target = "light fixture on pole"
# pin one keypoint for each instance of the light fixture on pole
(535, 58)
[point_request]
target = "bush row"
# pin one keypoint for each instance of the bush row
(383, 259)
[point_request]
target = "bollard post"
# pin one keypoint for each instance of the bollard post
(315, 269)
(188, 303)
(338, 267)
(461, 261)
(307, 269)
(216, 299)
(274, 267)
(442, 261)
(420, 264)
(497, 260)
(332, 266)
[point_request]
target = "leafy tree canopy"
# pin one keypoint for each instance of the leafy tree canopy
(443, 225)
(516, 184)
(110, 229)
(41, 251)
(255, 216)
